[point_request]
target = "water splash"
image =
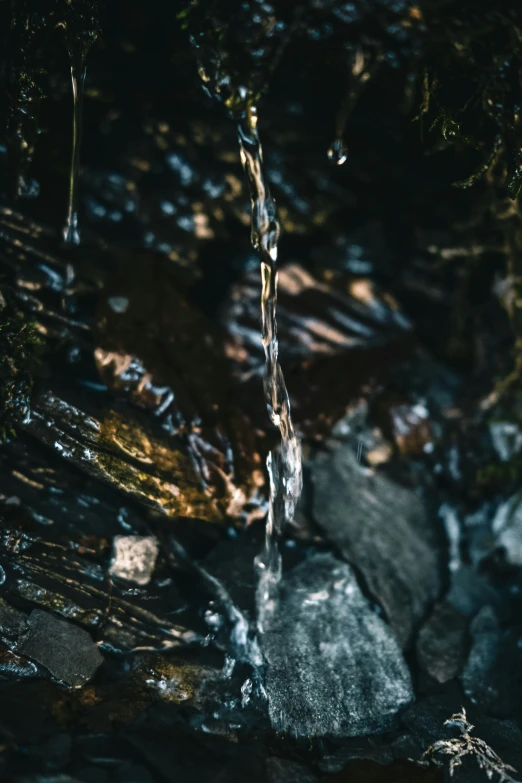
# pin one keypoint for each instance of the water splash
(284, 465)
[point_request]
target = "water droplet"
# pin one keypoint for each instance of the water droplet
(337, 153)
(118, 303)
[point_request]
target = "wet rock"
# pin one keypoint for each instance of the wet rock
(314, 317)
(13, 666)
(176, 680)
(411, 427)
(58, 497)
(67, 651)
(507, 439)
(442, 642)
(154, 352)
(134, 558)
(353, 428)
(173, 753)
(491, 676)
(507, 528)
(75, 586)
(161, 354)
(384, 530)
(12, 622)
(331, 335)
(381, 750)
(333, 666)
(470, 591)
(115, 449)
(232, 562)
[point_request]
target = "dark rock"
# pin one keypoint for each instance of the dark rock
(59, 498)
(442, 642)
(384, 530)
(50, 779)
(175, 754)
(286, 771)
(232, 562)
(12, 622)
(67, 651)
(334, 336)
(470, 590)
(371, 748)
(491, 676)
(133, 773)
(91, 774)
(333, 666)
(79, 590)
(56, 752)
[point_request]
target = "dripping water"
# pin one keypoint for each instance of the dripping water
(71, 234)
(360, 73)
(284, 464)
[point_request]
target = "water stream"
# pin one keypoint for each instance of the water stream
(284, 464)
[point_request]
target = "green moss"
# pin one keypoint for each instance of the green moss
(20, 348)
(498, 475)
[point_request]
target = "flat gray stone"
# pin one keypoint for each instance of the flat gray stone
(334, 667)
(67, 651)
(383, 529)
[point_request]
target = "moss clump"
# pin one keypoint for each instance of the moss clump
(20, 347)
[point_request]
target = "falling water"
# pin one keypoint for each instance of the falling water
(360, 73)
(71, 234)
(284, 465)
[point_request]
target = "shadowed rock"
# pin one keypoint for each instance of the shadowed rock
(384, 530)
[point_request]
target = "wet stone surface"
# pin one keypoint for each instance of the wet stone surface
(133, 426)
(333, 665)
(67, 651)
(384, 530)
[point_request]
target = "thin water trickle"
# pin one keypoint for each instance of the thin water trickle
(284, 464)
(71, 234)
